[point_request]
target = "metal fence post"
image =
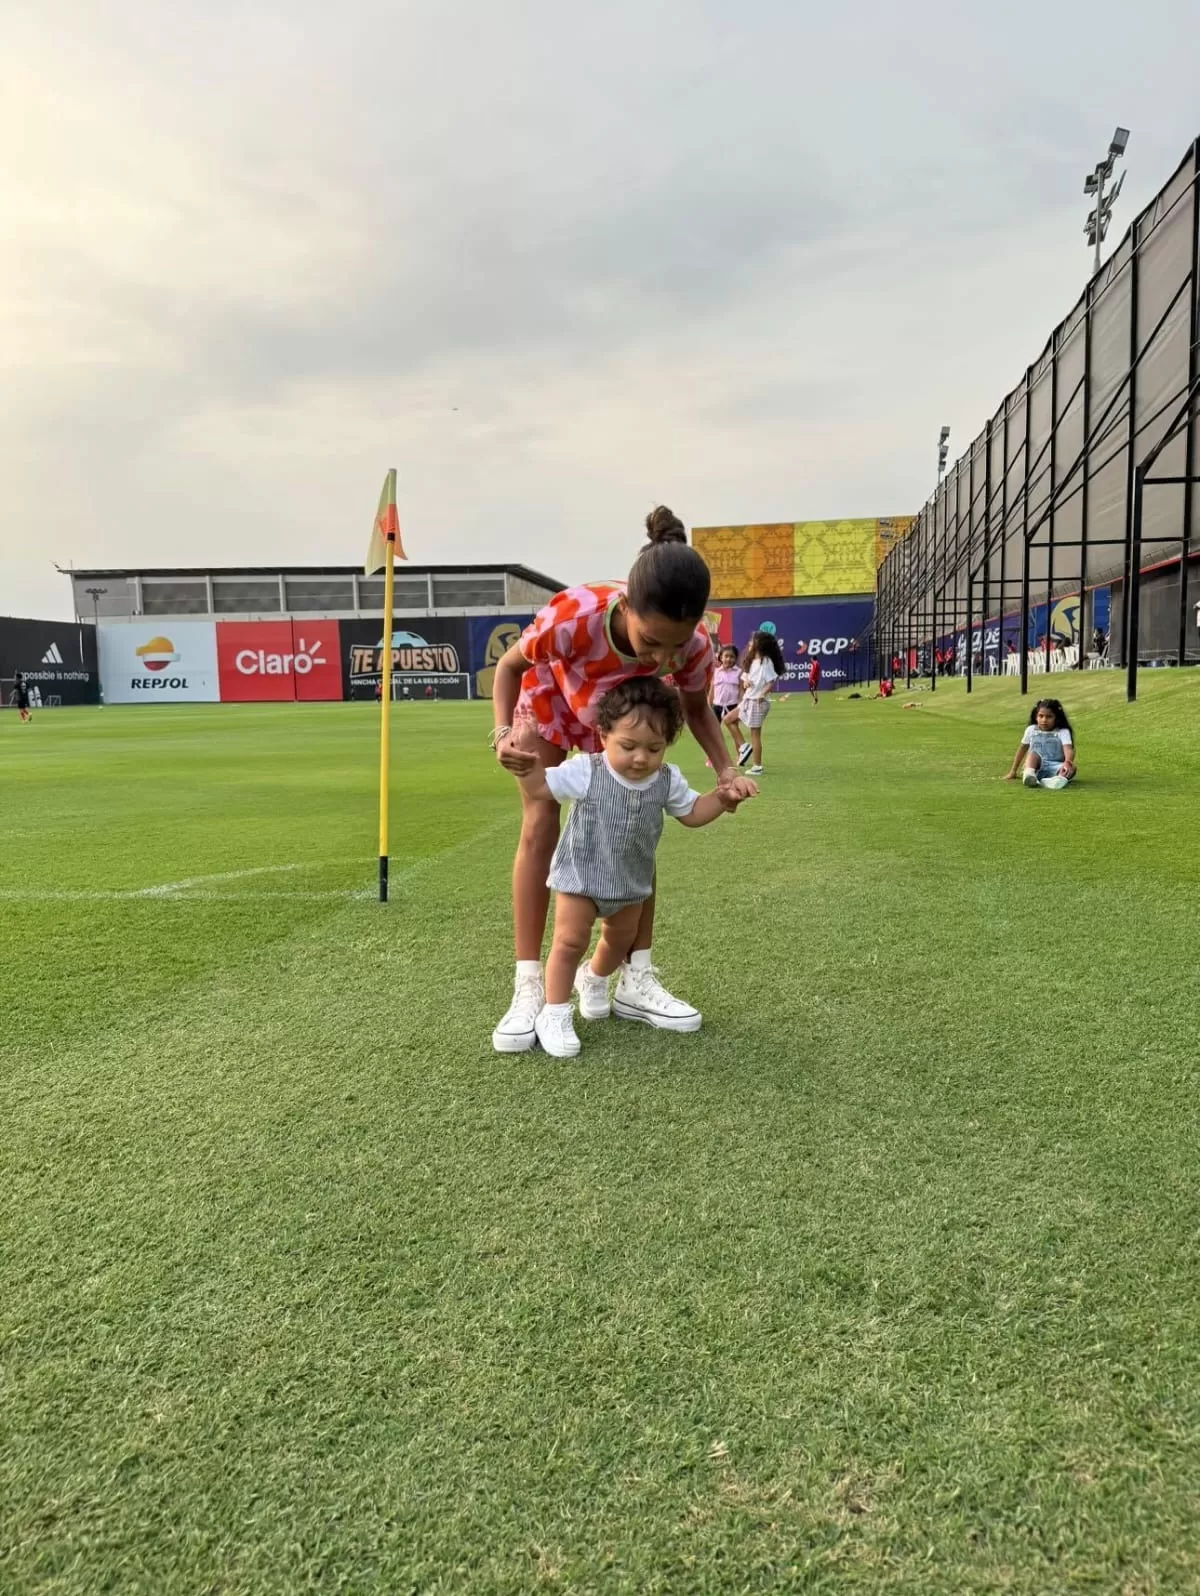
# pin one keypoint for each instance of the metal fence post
(1133, 592)
(1025, 550)
(1131, 444)
(1189, 469)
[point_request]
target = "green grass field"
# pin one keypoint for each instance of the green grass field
(888, 1280)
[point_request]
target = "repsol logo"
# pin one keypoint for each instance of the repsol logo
(158, 684)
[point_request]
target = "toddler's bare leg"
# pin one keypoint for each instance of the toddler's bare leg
(617, 935)
(573, 918)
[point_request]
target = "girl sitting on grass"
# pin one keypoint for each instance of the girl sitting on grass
(1047, 748)
(604, 862)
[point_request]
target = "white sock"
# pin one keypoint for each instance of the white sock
(529, 967)
(556, 1008)
(640, 959)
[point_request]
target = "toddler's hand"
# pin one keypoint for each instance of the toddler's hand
(736, 792)
(730, 784)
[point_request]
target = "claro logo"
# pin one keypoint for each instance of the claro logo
(257, 662)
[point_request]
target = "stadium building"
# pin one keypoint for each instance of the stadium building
(269, 633)
(329, 591)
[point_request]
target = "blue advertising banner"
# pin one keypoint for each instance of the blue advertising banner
(825, 630)
(1002, 638)
(491, 636)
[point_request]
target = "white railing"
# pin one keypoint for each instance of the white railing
(1061, 659)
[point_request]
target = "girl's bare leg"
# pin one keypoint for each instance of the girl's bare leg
(539, 834)
(756, 745)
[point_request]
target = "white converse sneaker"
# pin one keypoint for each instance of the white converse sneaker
(744, 753)
(640, 995)
(555, 1027)
(1030, 778)
(515, 1033)
(593, 994)
(755, 770)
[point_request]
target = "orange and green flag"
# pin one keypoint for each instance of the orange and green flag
(387, 524)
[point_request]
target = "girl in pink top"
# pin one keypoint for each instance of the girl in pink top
(545, 695)
(727, 693)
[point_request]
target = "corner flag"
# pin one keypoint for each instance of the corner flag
(382, 553)
(386, 528)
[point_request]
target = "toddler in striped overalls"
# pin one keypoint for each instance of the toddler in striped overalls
(604, 863)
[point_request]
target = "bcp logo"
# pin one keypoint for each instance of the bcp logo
(826, 646)
(157, 654)
(266, 661)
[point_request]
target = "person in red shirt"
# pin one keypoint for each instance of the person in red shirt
(545, 696)
(814, 677)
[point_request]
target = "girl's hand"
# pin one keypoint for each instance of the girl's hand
(518, 751)
(1011, 776)
(515, 759)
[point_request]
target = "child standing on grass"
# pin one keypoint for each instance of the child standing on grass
(761, 668)
(726, 693)
(1047, 748)
(20, 696)
(583, 642)
(603, 865)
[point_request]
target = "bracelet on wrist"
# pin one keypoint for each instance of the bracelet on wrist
(498, 736)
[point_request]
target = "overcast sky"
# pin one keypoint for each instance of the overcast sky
(555, 262)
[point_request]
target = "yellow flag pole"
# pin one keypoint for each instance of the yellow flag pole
(385, 705)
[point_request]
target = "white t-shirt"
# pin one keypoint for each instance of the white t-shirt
(1061, 732)
(573, 778)
(761, 673)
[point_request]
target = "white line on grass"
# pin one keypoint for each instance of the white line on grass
(199, 889)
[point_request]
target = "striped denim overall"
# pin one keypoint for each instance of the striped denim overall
(606, 851)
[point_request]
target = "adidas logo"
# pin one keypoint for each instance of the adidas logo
(52, 656)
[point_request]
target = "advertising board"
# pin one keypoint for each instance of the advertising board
(173, 662)
(56, 658)
(270, 661)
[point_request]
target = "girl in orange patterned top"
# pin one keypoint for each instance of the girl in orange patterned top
(548, 687)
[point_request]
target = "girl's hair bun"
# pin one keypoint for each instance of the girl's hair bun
(664, 526)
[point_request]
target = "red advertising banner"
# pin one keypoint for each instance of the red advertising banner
(268, 661)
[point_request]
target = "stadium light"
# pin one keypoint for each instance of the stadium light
(95, 594)
(943, 450)
(1096, 226)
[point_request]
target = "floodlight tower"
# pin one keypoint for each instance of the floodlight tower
(1096, 226)
(943, 451)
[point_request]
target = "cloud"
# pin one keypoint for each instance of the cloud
(552, 262)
